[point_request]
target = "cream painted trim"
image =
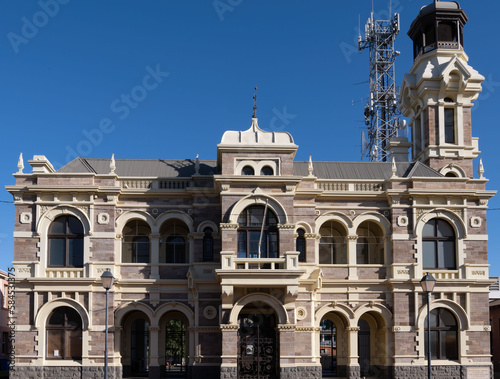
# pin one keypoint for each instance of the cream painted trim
(258, 198)
(463, 324)
(41, 320)
(265, 298)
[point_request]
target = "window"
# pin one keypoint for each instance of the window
(332, 245)
(66, 242)
(266, 170)
(449, 125)
(64, 334)
(370, 244)
(135, 245)
(300, 244)
(444, 341)
(447, 31)
(208, 245)
(174, 245)
(449, 122)
(249, 233)
(248, 170)
(438, 244)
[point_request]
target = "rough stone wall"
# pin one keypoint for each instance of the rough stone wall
(77, 372)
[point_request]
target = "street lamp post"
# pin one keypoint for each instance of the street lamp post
(428, 282)
(107, 282)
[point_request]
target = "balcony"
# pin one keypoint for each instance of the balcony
(259, 272)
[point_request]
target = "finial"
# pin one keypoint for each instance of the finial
(310, 168)
(480, 169)
(394, 169)
(255, 103)
(112, 164)
(197, 165)
(20, 164)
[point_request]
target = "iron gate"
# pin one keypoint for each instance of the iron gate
(257, 347)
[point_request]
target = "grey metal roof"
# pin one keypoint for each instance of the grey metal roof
(364, 170)
(162, 168)
(185, 168)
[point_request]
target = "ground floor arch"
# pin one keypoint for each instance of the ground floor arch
(333, 344)
(173, 349)
(372, 344)
(135, 344)
(258, 342)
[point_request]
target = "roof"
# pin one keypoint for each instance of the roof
(162, 168)
(255, 136)
(364, 170)
(185, 168)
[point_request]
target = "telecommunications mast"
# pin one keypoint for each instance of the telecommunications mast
(381, 112)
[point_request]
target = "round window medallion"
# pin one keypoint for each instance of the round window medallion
(210, 312)
(301, 313)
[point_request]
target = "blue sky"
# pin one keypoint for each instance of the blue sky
(73, 75)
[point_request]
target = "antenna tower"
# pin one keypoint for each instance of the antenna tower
(381, 112)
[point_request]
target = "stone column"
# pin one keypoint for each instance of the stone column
(154, 366)
(155, 255)
(353, 369)
(351, 256)
(229, 366)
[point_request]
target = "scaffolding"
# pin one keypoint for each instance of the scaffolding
(381, 112)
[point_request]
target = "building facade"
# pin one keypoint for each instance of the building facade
(257, 264)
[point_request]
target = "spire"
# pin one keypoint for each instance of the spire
(255, 103)
(310, 168)
(20, 164)
(112, 164)
(480, 169)
(394, 168)
(197, 165)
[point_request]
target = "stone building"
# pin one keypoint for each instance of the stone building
(249, 264)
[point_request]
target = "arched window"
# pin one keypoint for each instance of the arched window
(370, 244)
(135, 243)
(332, 245)
(174, 242)
(249, 233)
(64, 334)
(248, 170)
(66, 242)
(266, 170)
(438, 244)
(300, 244)
(444, 337)
(208, 245)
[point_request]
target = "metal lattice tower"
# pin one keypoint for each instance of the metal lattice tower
(381, 112)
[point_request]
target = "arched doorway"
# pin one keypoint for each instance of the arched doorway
(333, 345)
(364, 347)
(328, 348)
(258, 345)
(373, 345)
(135, 345)
(174, 347)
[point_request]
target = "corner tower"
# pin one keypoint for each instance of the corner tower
(438, 92)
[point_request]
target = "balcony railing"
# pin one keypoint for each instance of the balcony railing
(338, 186)
(64, 273)
(290, 261)
(155, 184)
